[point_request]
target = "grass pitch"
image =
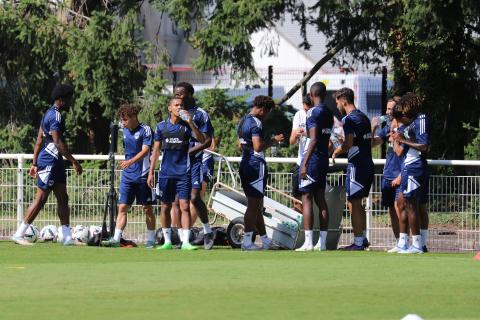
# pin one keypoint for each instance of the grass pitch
(48, 281)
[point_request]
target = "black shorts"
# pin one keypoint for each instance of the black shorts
(295, 185)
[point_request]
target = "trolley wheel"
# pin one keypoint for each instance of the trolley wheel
(235, 232)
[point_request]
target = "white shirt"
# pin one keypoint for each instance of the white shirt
(300, 121)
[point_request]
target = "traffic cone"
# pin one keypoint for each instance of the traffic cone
(477, 257)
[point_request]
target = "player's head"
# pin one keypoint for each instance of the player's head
(128, 115)
(262, 105)
(185, 91)
(390, 104)
(318, 91)
(407, 108)
(174, 106)
(62, 95)
(343, 98)
(307, 102)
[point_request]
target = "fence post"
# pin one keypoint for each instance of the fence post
(384, 104)
(368, 212)
(20, 162)
(270, 81)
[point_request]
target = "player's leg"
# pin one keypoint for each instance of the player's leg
(63, 210)
(252, 216)
(145, 197)
(127, 196)
(402, 243)
(297, 206)
(167, 188)
(412, 209)
(184, 191)
(307, 211)
(358, 223)
(424, 219)
(33, 209)
(319, 197)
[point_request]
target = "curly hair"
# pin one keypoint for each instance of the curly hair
(409, 105)
(263, 102)
(128, 110)
(61, 91)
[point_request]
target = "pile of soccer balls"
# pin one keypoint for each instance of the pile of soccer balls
(81, 234)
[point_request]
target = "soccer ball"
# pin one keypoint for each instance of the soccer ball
(93, 231)
(80, 233)
(49, 233)
(31, 235)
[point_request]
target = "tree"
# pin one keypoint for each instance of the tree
(433, 46)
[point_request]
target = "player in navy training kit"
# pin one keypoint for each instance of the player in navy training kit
(172, 136)
(314, 167)
(185, 91)
(48, 166)
(207, 167)
(414, 184)
(253, 169)
(137, 142)
(360, 170)
(391, 172)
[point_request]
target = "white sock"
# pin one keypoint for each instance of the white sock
(186, 236)
(206, 228)
(424, 234)
(308, 238)
(167, 234)
(322, 240)
(180, 234)
(358, 241)
(402, 240)
(22, 229)
(417, 241)
(118, 235)
(247, 239)
(67, 234)
(151, 235)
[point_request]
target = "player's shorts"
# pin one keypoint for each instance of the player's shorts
(207, 169)
(389, 193)
(295, 185)
(316, 175)
(196, 172)
(169, 188)
(135, 191)
(253, 175)
(414, 186)
(49, 175)
(359, 180)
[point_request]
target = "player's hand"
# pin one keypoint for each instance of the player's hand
(303, 171)
(397, 136)
(150, 180)
(33, 171)
(77, 167)
(374, 123)
(299, 132)
(278, 138)
(125, 164)
(396, 181)
(334, 155)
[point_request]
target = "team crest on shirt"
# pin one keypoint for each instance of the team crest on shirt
(136, 135)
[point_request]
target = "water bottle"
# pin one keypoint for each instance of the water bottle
(383, 119)
(184, 115)
(336, 142)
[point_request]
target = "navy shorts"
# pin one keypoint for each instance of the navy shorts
(169, 188)
(359, 180)
(207, 169)
(295, 185)
(389, 193)
(196, 172)
(49, 175)
(415, 186)
(135, 191)
(316, 175)
(253, 175)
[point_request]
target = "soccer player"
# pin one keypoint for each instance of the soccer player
(360, 170)
(137, 142)
(207, 168)
(314, 167)
(391, 172)
(300, 135)
(414, 184)
(172, 136)
(48, 166)
(253, 169)
(185, 91)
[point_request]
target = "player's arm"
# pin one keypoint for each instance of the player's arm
(207, 141)
(139, 156)
(418, 146)
(62, 148)
(312, 132)
(396, 182)
(259, 145)
(197, 134)
(36, 150)
(153, 161)
(344, 147)
(397, 147)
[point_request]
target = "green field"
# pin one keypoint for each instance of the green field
(48, 281)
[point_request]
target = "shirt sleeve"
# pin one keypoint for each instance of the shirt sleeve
(311, 119)
(296, 121)
(422, 131)
(56, 122)
(256, 130)
(348, 126)
(147, 136)
(158, 132)
(201, 121)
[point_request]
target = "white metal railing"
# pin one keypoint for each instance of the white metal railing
(454, 201)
